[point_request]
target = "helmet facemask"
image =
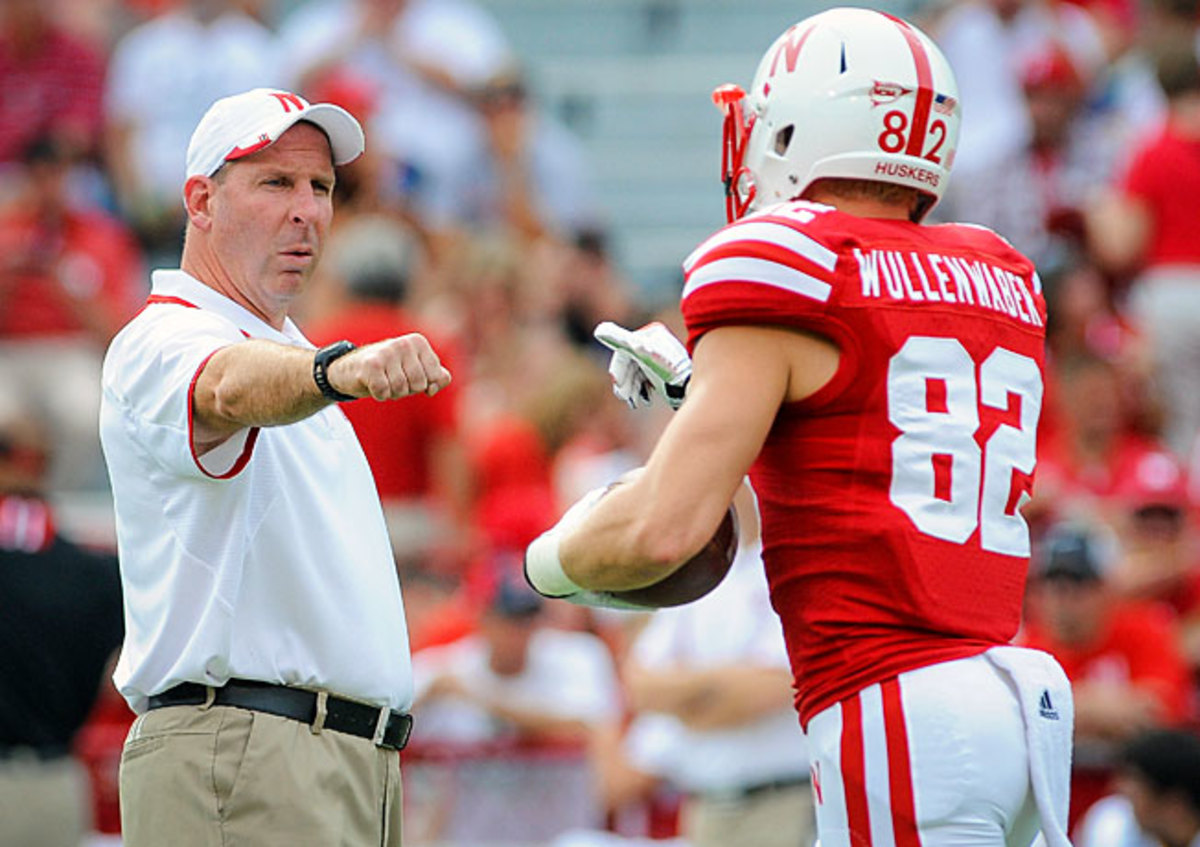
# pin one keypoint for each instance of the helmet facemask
(735, 134)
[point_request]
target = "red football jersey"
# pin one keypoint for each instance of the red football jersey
(892, 538)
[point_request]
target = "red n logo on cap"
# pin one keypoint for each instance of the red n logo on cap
(287, 100)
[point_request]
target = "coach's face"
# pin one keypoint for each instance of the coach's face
(270, 213)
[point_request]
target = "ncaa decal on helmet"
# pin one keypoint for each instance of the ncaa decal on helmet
(847, 93)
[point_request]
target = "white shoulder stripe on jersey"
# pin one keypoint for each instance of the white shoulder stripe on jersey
(771, 233)
(743, 269)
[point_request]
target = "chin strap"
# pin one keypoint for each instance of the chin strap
(739, 188)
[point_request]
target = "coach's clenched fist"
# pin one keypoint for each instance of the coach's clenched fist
(390, 369)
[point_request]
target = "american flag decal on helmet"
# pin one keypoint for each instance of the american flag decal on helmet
(944, 104)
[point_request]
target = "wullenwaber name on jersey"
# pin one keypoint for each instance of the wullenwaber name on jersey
(932, 278)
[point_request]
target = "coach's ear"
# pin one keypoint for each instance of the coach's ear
(198, 194)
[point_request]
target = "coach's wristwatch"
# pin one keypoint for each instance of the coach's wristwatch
(325, 357)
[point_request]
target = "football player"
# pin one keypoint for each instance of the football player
(880, 380)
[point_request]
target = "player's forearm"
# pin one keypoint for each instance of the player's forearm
(741, 694)
(674, 691)
(644, 529)
(617, 548)
(713, 697)
(537, 724)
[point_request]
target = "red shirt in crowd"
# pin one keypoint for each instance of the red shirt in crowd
(55, 90)
(397, 438)
(1069, 478)
(1138, 647)
(85, 261)
(1165, 175)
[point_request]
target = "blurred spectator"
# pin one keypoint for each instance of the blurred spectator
(1034, 195)
(1158, 799)
(1089, 442)
(528, 174)
(421, 57)
(98, 746)
(1154, 523)
(1160, 559)
(69, 278)
(52, 83)
(413, 448)
(988, 42)
(1166, 21)
(1160, 774)
(162, 77)
(515, 680)
(711, 689)
(439, 605)
(560, 434)
(593, 289)
(493, 294)
(1083, 319)
(1123, 659)
(511, 465)
(61, 624)
(374, 183)
(1147, 227)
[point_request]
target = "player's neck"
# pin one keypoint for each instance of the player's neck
(862, 207)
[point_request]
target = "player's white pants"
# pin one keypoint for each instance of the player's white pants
(941, 756)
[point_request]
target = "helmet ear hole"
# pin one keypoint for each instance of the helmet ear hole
(783, 139)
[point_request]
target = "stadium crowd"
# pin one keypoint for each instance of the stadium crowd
(471, 218)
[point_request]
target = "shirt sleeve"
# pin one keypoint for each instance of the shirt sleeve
(769, 264)
(150, 372)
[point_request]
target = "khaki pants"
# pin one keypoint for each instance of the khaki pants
(775, 818)
(43, 803)
(224, 777)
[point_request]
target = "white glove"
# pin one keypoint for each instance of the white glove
(646, 361)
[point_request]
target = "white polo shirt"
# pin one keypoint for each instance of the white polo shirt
(268, 559)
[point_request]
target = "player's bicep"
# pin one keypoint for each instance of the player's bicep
(740, 378)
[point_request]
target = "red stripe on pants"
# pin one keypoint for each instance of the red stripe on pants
(904, 816)
(854, 774)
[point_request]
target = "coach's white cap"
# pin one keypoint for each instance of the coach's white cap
(245, 123)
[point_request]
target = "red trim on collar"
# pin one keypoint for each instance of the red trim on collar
(161, 298)
(164, 298)
(178, 301)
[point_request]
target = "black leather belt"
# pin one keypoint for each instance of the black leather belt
(385, 727)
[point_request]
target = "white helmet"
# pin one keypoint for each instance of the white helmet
(849, 93)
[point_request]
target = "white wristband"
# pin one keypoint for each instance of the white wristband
(544, 569)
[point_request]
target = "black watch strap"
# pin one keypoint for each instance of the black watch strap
(322, 360)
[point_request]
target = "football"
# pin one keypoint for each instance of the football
(695, 577)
